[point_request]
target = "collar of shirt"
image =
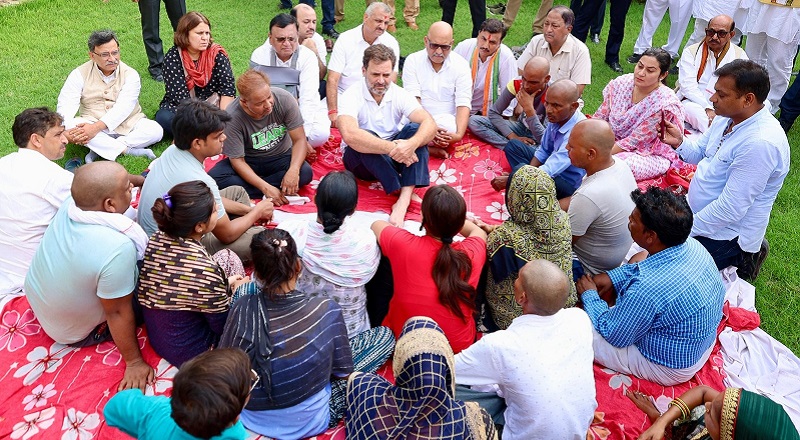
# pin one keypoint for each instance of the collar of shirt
(108, 78)
(387, 97)
(566, 47)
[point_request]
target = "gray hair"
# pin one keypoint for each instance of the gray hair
(373, 8)
(99, 38)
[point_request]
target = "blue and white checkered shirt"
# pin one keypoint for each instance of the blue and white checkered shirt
(668, 306)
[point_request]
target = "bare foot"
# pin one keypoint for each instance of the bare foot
(643, 402)
(398, 215)
(416, 198)
(437, 152)
(499, 183)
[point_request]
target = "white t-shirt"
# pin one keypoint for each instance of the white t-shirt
(443, 91)
(508, 71)
(76, 265)
(322, 52)
(32, 188)
(386, 118)
(347, 57)
(543, 367)
(599, 213)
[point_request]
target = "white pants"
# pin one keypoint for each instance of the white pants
(778, 58)
(109, 145)
(317, 126)
(629, 360)
(699, 33)
(696, 115)
(680, 11)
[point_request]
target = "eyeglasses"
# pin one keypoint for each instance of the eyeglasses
(444, 47)
(107, 55)
(722, 33)
(254, 379)
(285, 39)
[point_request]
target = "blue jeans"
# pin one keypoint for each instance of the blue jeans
(519, 154)
(328, 18)
(270, 169)
(483, 129)
(391, 174)
(790, 106)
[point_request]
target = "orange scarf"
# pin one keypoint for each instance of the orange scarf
(704, 58)
(490, 81)
(200, 74)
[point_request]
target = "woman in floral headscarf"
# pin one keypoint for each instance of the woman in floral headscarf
(537, 229)
(421, 404)
(734, 414)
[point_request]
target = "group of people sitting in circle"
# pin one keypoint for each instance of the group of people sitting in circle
(510, 316)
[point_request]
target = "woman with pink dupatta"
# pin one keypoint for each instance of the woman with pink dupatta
(195, 67)
(636, 105)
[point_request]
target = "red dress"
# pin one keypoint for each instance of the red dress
(415, 293)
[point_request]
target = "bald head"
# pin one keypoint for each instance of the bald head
(721, 22)
(565, 89)
(546, 287)
(303, 8)
(539, 66)
(98, 186)
(440, 30)
(596, 132)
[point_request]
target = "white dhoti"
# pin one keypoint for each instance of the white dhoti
(317, 126)
(778, 58)
(629, 360)
(109, 145)
(696, 115)
(680, 12)
(446, 121)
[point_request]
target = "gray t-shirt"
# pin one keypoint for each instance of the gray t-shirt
(256, 139)
(599, 213)
(173, 167)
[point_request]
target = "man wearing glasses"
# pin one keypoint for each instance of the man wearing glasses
(100, 104)
(696, 68)
(294, 68)
(442, 83)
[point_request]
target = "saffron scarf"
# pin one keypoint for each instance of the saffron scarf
(704, 58)
(199, 74)
(490, 80)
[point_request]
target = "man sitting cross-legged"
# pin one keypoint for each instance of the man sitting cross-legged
(542, 363)
(561, 103)
(666, 308)
(599, 209)
(398, 157)
(265, 142)
(529, 89)
(199, 129)
(100, 104)
(81, 279)
(441, 82)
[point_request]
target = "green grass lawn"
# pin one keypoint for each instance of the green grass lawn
(41, 41)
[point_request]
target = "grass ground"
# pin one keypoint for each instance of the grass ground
(41, 41)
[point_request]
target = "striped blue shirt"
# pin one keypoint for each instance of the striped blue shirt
(668, 306)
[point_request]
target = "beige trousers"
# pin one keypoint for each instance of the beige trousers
(512, 8)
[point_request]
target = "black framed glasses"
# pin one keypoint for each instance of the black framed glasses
(722, 33)
(444, 47)
(107, 55)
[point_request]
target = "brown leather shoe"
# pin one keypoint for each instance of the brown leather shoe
(412, 25)
(391, 28)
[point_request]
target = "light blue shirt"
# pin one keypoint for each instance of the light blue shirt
(668, 305)
(738, 178)
(173, 167)
(76, 265)
(553, 153)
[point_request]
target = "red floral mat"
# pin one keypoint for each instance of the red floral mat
(676, 179)
(470, 169)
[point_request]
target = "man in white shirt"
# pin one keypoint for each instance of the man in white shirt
(568, 56)
(306, 18)
(742, 160)
(599, 209)
(696, 68)
(492, 62)
(345, 66)
(100, 104)
(32, 188)
(441, 82)
(542, 364)
(398, 157)
(294, 68)
(81, 280)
